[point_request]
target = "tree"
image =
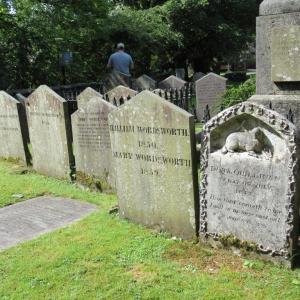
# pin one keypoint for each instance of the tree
(212, 30)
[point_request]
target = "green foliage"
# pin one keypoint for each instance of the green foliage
(160, 35)
(212, 30)
(235, 95)
(104, 257)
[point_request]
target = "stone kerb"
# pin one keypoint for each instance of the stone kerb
(14, 137)
(50, 133)
(172, 82)
(86, 95)
(153, 146)
(91, 140)
(239, 184)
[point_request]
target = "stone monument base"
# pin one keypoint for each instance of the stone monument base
(286, 105)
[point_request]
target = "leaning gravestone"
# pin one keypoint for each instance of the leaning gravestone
(153, 146)
(249, 186)
(13, 129)
(144, 82)
(86, 96)
(278, 59)
(209, 90)
(172, 82)
(91, 140)
(50, 133)
(119, 92)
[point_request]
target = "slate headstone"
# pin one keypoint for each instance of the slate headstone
(249, 184)
(13, 129)
(119, 92)
(144, 82)
(86, 96)
(153, 146)
(50, 133)
(209, 90)
(91, 140)
(172, 82)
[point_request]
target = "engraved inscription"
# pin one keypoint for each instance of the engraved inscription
(285, 52)
(248, 208)
(150, 152)
(93, 133)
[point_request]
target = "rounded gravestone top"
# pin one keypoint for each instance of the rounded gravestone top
(274, 7)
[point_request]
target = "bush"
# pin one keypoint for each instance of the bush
(236, 76)
(240, 93)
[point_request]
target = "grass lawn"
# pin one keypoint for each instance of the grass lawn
(103, 257)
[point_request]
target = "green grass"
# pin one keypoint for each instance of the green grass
(103, 257)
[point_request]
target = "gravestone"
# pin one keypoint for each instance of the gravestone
(50, 133)
(197, 76)
(115, 79)
(249, 186)
(144, 82)
(91, 140)
(119, 92)
(13, 129)
(172, 82)
(209, 90)
(277, 57)
(153, 146)
(86, 96)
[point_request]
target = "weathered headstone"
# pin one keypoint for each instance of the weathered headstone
(119, 92)
(86, 96)
(50, 133)
(249, 186)
(91, 140)
(153, 146)
(144, 82)
(209, 90)
(277, 57)
(172, 82)
(13, 129)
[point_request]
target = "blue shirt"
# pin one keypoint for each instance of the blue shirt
(121, 62)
